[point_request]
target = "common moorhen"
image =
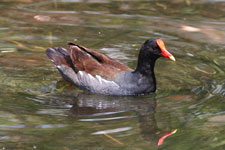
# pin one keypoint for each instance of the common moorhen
(99, 73)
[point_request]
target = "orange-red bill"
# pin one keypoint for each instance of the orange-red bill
(161, 140)
(165, 53)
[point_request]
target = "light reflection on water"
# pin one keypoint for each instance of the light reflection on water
(112, 131)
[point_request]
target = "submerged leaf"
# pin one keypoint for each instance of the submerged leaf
(112, 138)
(161, 5)
(17, 43)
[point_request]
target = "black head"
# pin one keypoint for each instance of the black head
(155, 48)
(150, 51)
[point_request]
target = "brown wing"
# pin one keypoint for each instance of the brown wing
(95, 63)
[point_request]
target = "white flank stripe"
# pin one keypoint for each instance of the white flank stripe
(96, 83)
(99, 79)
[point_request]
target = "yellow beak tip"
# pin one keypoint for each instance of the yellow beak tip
(172, 58)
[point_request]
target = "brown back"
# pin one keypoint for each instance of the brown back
(95, 63)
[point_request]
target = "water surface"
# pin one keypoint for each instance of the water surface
(39, 111)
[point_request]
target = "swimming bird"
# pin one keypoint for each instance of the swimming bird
(98, 73)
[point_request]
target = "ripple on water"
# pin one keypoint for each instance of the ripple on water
(58, 112)
(220, 88)
(29, 7)
(4, 138)
(12, 126)
(8, 50)
(115, 53)
(108, 118)
(107, 113)
(47, 126)
(4, 28)
(112, 130)
(9, 121)
(70, 1)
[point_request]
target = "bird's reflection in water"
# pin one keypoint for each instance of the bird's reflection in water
(92, 105)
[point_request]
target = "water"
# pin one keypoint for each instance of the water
(38, 110)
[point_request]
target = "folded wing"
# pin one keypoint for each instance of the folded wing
(79, 58)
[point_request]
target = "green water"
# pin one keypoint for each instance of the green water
(37, 112)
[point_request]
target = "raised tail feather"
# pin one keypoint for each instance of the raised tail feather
(60, 56)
